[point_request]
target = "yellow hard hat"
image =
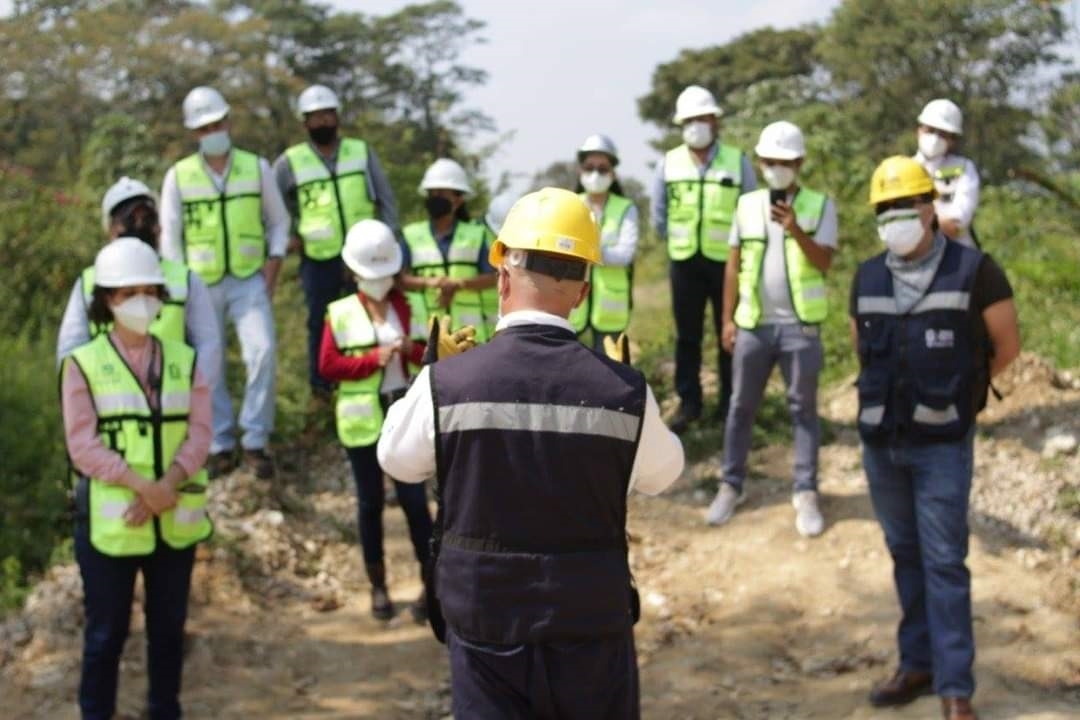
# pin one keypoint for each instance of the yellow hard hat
(899, 177)
(550, 220)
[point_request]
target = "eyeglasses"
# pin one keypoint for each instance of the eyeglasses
(602, 169)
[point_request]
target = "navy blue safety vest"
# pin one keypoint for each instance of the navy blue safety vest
(536, 439)
(923, 375)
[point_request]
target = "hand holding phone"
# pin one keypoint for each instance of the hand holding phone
(777, 196)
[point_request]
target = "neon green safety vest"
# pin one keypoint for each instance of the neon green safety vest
(223, 231)
(329, 203)
(358, 412)
(169, 325)
(461, 262)
(806, 282)
(607, 308)
(700, 209)
(148, 439)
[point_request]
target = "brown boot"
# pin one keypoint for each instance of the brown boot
(903, 687)
(957, 709)
(381, 606)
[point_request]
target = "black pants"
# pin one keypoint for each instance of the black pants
(695, 282)
(371, 499)
(590, 679)
(323, 282)
(108, 586)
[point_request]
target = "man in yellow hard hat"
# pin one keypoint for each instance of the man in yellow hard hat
(535, 441)
(932, 321)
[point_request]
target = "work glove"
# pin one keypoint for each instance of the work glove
(442, 343)
(618, 349)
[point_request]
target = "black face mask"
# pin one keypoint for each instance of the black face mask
(140, 220)
(438, 207)
(323, 135)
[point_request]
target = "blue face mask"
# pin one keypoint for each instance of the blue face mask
(215, 143)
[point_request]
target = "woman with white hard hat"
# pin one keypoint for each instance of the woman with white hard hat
(137, 428)
(446, 265)
(956, 179)
(606, 310)
(368, 349)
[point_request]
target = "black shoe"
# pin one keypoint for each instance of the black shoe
(381, 606)
(220, 463)
(685, 415)
(259, 463)
(903, 687)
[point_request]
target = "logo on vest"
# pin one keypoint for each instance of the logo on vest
(939, 339)
(174, 371)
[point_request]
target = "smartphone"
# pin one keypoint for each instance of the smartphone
(776, 196)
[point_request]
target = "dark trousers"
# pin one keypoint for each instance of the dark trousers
(591, 679)
(694, 283)
(108, 586)
(323, 282)
(371, 499)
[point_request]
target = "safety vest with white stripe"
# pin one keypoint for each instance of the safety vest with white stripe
(462, 263)
(700, 208)
(805, 282)
(607, 308)
(329, 203)
(147, 436)
(923, 373)
(223, 230)
(169, 324)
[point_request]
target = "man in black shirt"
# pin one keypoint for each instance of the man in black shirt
(932, 321)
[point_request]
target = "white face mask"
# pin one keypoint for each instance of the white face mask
(901, 231)
(697, 134)
(215, 143)
(932, 145)
(594, 182)
(376, 289)
(778, 177)
(137, 313)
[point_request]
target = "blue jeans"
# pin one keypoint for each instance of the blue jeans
(247, 304)
(920, 497)
(108, 585)
(323, 282)
(797, 349)
(695, 283)
(371, 499)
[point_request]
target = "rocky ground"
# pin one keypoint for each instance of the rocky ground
(747, 621)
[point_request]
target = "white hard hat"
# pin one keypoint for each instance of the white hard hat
(371, 251)
(446, 174)
(944, 115)
(497, 210)
(202, 106)
(127, 261)
(695, 101)
(317, 97)
(122, 190)
(781, 140)
(601, 144)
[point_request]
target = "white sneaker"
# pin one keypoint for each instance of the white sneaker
(723, 505)
(808, 519)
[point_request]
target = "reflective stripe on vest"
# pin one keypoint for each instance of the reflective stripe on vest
(148, 440)
(805, 282)
(329, 203)
(700, 209)
(358, 412)
(223, 231)
(170, 323)
(607, 307)
(461, 262)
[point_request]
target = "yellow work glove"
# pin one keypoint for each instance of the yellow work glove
(618, 349)
(443, 344)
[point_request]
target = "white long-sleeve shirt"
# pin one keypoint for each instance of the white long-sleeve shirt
(275, 217)
(406, 448)
(200, 327)
(621, 252)
(957, 200)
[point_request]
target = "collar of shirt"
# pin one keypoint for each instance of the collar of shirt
(713, 149)
(219, 180)
(532, 317)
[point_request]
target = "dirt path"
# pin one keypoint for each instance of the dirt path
(747, 621)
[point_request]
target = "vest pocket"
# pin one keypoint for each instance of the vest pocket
(187, 523)
(873, 389)
(359, 418)
(109, 532)
(935, 408)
